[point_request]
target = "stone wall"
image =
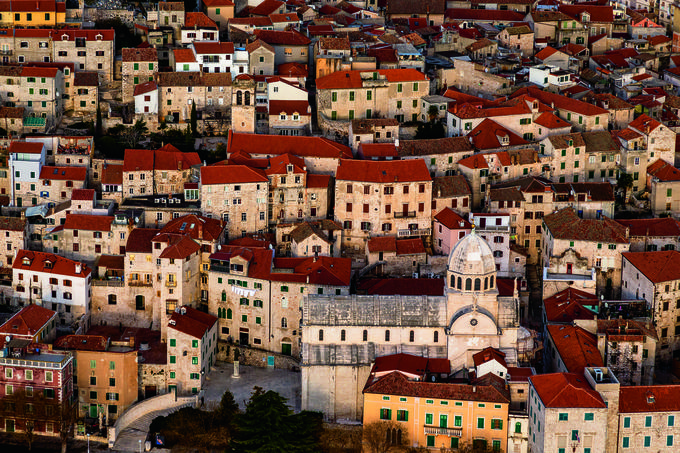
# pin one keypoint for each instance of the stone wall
(254, 357)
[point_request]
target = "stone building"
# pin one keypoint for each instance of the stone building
(258, 298)
(648, 418)
(57, 183)
(296, 195)
(238, 195)
(139, 66)
(582, 157)
(86, 94)
(375, 130)
(518, 39)
(211, 93)
(192, 349)
(85, 237)
(171, 14)
(650, 235)
(653, 277)
(390, 93)
(568, 410)
(342, 336)
(262, 57)
(289, 46)
(160, 171)
(663, 179)
(441, 155)
(391, 198)
(220, 11)
(15, 232)
(572, 245)
(320, 238)
(89, 50)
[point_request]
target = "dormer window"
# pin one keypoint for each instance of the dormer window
(99, 37)
(650, 399)
(289, 168)
(571, 142)
(48, 264)
(26, 262)
(64, 37)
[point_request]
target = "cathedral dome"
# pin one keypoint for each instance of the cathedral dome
(471, 257)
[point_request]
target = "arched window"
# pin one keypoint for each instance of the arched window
(365, 335)
(321, 335)
(436, 337)
(468, 284)
(239, 98)
(398, 437)
(299, 213)
(229, 314)
(411, 336)
(460, 283)
(68, 296)
(453, 281)
(139, 302)
(247, 97)
(284, 323)
(478, 284)
(518, 427)
(491, 282)
(486, 283)
(343, 335)
(387, 335)
(112, 299)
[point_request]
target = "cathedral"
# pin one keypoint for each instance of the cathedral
(342, 335)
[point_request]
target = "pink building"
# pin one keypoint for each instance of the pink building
(449, 228)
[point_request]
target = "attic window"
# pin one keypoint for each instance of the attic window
(26, 262)
(650, 399)
(48, 264)
(64, 37)
(99, 37)
(184, 225)
(289, 168)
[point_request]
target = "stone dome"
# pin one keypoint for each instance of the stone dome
(472, 257)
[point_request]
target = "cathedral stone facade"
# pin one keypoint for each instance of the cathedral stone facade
(342, 335)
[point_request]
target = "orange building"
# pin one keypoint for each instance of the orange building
(436, 414)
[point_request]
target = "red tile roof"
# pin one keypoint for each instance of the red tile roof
(136, 54)
(179, 246)
(488, 354)
(266, 7)
(82, 342)
(289, 108)
(25, 147)
(656, 266)
(385, 172)
(88, 222)
(63, 173)
(576, 346)
(568, 305)
(566, 390)
(395, 383)
(112, 174)
(213, 47)
(659, 227)
(644, 124)
(199, 20)
(214, 3)
(649, 398)
(370, 150)
(519, 374)
(318, 181)
(551, 121)
(410, 247)
(31, 71)
(290, 38)
(144, 88)
(259, 144)
(193, 322)
(353, 79)
(382, 244)
(198, 227)
(82, 194)
(451, 220)
(663, 171)
(28, 321)
(139, 240)
(545, 53)
(292, 70)
(279, 165)
(488, 135)
(402, 286)
(486, 15)
(231, 174)
(598, 13)
(565, 224)
(562, 102)
(184, 56)
(60, 265)
(410, 364)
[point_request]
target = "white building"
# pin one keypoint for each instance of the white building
(25, 161)
(221, 57)
(545, 75)
(54, 282)
(146, 98)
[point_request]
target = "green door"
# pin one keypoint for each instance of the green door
(285, 348)
(9, 426)
(93, 410)
(443, 421)
(19, 202)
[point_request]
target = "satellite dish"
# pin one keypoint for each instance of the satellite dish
(8, 338)
(433, 378)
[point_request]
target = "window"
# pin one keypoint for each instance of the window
(671, 420)
(496, 423)
(588, 416)
(669, 440)
(402, 415)
(648, 441)
(48, 376)
(173, 359)
(194, 360)
(648, 421)
(480, 422)
(626, 442)
(385, 414)
(563, 417)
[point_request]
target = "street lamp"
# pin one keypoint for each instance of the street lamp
(88, 442)
(140, 445)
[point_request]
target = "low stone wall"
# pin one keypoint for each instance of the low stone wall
(157, 403)
(255, 357)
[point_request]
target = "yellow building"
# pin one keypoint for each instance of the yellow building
(219, 11)
(439, 415)
(105, 374)
(26, 14)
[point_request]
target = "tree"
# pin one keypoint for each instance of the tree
(432, 113)
(269, 426)
(131, 136)
(227, 410)
(194, 120)
(383, 436)
(624, 182)
(98, 130)
(66, 420)
(341, 439)
(429, 130)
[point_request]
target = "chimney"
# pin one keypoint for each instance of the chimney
(179, 165)
(474, 389)
(79, 268)
(23, 214)
(316, 256)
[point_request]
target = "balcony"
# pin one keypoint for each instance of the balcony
(438, 431)
(415, 232)
(139, 283)
(6, 52)
(170, 284)
(219, 268)
(494, 228)
(404, 214)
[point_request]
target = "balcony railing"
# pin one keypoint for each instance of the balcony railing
(416, 232)
(6, 52)
(404, 214)
(436, 430)
(219, 268)
(170, 283)
(117, 283)
(139, 283)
